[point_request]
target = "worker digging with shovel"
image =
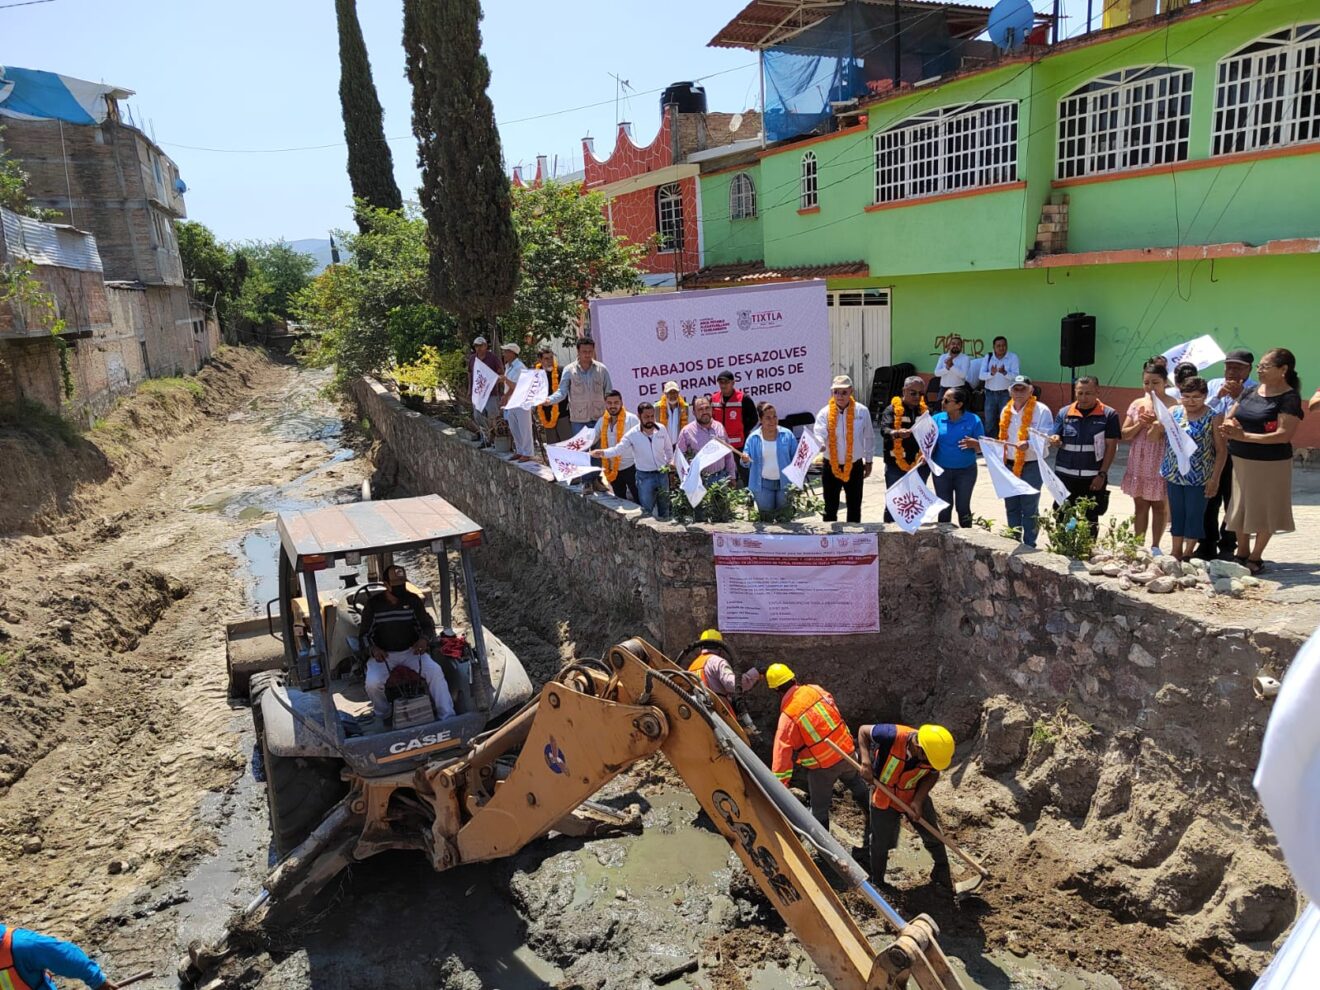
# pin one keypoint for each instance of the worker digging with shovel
(901, 762)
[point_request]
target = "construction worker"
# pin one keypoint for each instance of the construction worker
(808, 720)
(908, 762)
(719, 678)
(27, 960)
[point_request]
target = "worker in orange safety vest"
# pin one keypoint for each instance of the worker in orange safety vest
(808, 721)
(908, 762)
(717, 675)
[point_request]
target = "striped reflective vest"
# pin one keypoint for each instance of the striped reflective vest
(810, 720)
(9, 978)
(698, 666)
(890, 772)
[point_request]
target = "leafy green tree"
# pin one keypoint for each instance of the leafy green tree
(280, 273)
(370, 164)
(474, 259)
(205, 259)
(13, 190)
(373, 315)
(568, 256)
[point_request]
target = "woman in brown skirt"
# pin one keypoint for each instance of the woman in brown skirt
(1259, 429)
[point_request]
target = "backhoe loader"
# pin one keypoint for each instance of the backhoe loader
(536, 771)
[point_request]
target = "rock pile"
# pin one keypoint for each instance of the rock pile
(1162, 575)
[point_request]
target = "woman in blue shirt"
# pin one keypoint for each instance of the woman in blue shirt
(958, 457)
(766, 453)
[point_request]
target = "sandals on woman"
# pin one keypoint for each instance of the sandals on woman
(1255, 566)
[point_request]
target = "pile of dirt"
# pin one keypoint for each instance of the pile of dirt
(55, 475)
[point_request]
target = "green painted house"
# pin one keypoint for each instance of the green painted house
(1163, 176)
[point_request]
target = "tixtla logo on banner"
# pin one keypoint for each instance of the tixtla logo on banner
(774, 339)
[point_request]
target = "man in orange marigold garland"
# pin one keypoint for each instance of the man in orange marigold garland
(847, 439)
(897, 443)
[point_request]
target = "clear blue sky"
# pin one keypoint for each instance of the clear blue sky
(243, 74)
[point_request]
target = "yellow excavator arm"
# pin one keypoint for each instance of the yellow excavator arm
(535, 773)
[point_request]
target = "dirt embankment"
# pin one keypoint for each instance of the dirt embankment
(55, 476)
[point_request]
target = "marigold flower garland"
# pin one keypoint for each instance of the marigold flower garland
(897, 451)
(550, 421)
(1024, 431)
(832, 420)
(663, 413)
(610, 465)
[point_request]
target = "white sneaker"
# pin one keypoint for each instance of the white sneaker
(1156, 552)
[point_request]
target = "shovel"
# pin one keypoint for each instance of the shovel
(963, 886)
(135, 978)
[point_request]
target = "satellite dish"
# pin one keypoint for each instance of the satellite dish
(1009, 22)
(735, 122)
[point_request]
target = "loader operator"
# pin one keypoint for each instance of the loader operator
(27, 960)
(808, 717)
(907, 761)
(397, 630)
(719, 678)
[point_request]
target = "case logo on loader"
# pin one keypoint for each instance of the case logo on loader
(555, 758)
(418, 745)
(763, 858)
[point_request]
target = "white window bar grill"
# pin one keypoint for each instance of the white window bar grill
(947, 150)
(810, 198)
(742, 197)
(1268, 93)
(1133, 118)
(669, 216)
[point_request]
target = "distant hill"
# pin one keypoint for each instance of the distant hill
(318, 248)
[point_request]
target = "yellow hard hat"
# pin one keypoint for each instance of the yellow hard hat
(711, 634)
(777, 675)
(937, 743)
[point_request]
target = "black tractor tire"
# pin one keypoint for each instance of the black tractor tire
(300, 791)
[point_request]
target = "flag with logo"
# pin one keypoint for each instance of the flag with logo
(927, 435)
(567, 463)
(1049, 481)
(531, 390)
(1184, 447)
(808, 449)
(483, 383)
(1202, 352)
(911, 502)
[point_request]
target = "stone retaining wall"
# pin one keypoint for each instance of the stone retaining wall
(964, 614)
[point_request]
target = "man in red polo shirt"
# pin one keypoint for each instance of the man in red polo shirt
(736, 412)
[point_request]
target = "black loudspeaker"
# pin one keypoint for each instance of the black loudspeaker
(1076, 340)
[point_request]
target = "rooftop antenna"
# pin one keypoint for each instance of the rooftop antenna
(621, 86)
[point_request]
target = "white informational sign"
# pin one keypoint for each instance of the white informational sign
(531, 390)
(822, 585)
(1202, 352)
(483, 383)
(808, 449)
(927, 435)
(567, 463)
(775, 339)
(1049, 481)
(1184, 447)
(911, 502)
(1007, 484)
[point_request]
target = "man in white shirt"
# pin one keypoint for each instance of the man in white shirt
(652, 452)
(1028, 413)
(848, 449)
(519, 420)
(619, 470)
(998, 370)
(953, 367)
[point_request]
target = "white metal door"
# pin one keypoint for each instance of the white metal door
(859, 335)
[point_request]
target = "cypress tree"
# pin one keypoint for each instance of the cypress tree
(370, 165)
(474, 254)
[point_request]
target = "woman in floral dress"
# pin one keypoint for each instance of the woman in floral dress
(1142, 479)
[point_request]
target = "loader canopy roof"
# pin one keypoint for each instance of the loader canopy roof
(318, 535)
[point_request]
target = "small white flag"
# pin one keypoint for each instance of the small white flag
(483, 383)
(531, 390)
(911, 502)
(1184, 447)
(927, 435)
(567, 463)
(712, 453)
(690, 476)
(807, 450)
(1006, 483)
(1049, 481)
(580, 440)
(1202, 352)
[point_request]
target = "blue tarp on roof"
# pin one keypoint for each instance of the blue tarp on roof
(33, 94)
